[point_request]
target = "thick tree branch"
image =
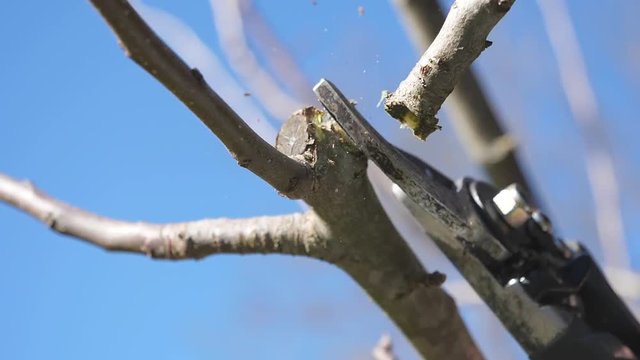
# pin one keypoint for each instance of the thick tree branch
(328, 172)
(140, 43)
(375, 254)
(230, 30)
(289, 234)
(347, 227)
(475, 122)
(459, 42)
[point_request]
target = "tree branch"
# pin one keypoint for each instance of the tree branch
(288, 176)
(331, 177)
(289, 234)
(459, 42)
(475, 122)
(374, 254)
(347, 227)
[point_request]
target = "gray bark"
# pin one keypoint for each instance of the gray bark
(462, 38)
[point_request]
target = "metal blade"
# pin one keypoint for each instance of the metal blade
(431, 190)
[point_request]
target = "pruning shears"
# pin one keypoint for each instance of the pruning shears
(550, 295)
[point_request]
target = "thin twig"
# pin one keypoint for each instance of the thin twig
(460, 41)
(289, 234)
(150, 52)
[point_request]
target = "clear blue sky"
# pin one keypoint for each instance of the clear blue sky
(91, 128)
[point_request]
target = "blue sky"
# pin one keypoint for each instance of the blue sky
(91, 128)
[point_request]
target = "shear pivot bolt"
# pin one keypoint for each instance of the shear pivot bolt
(512, 205)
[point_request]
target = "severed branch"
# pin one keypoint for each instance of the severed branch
(460, 41)
(475, 122)
(292, 234)
(286, 175)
